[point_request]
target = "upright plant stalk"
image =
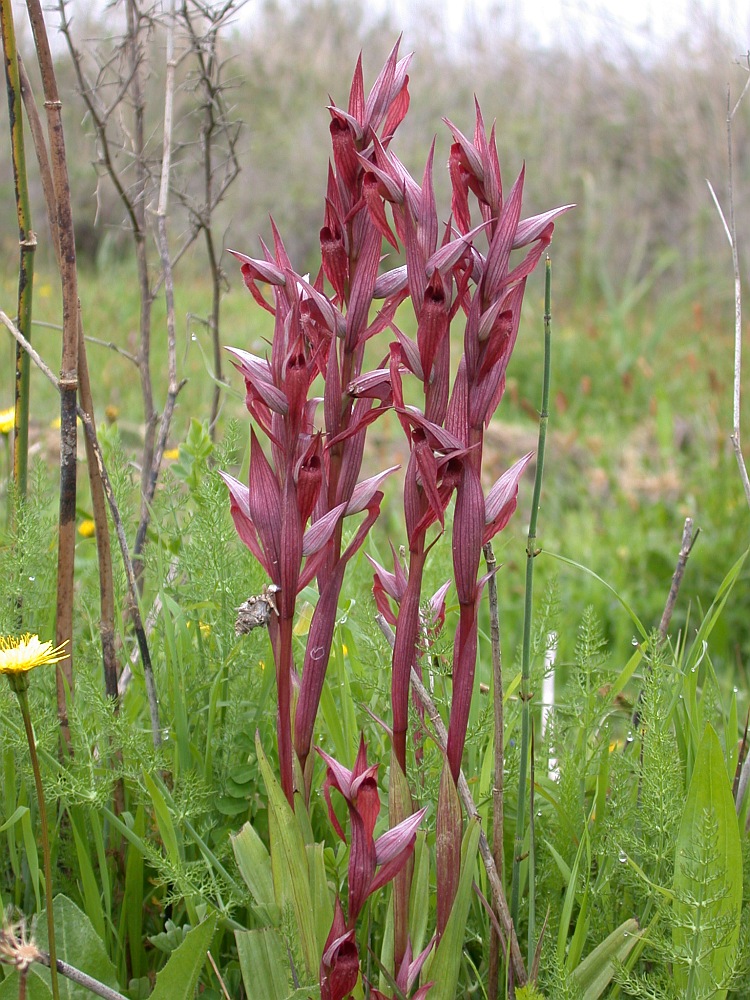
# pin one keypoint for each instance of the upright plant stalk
(69, 365)
(499, 748)
(531, 553)
(98, 502)
(27, 243)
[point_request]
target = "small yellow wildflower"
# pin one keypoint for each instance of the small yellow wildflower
(7, 418)
(172, 454)
(87, 528)
(111, 412)
(19, 654)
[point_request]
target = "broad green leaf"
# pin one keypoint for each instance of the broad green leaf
(446, 964)
(36, 988)
(264, 964)
(420, 891)
(179, 977)
(254, 863)
(321, 895)
(291, 876)
(78, 944)
(595, 972)
(707, 880)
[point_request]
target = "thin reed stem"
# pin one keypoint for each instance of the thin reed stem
(68, 365)
(27, 244)
(531, 553)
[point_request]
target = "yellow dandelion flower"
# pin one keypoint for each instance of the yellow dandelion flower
(87, 528)
(111, 412)
(172, 454)
(7, 418)
(21, 653)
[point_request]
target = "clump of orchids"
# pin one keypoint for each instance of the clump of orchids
(304, 484)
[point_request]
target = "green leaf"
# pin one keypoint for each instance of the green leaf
(321, 894)
(179, 977)
(291, 876)
(595, 972)
(708, 875)
(91, 894)
(264, 963)
(36, 987)
(420, 891)
(254, 863)
(446, 964)
(12, 820)
(163, 819)
(78, 944)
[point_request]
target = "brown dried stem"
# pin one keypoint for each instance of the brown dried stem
(69, 365)
(103, 544)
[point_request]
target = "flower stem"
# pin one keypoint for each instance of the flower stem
(531, 553)
(23, 700)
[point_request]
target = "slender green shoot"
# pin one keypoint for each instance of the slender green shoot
(27, 244)
(531, 553)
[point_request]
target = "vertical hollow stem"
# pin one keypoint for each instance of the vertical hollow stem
(98, 502)
(531, 553)
(69, 364)
(23, 700)
(27, 243)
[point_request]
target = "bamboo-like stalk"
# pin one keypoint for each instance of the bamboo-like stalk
(531, 553)
(69, 366)
(27, 244)
(98, 502)
(499, 752)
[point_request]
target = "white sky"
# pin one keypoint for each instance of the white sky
(646, 22)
